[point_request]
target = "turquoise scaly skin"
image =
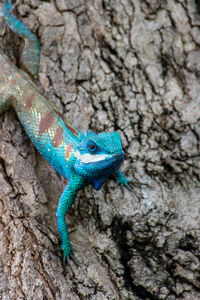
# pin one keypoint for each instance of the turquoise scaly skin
(82, 158)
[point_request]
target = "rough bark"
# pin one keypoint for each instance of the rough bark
(126, 65)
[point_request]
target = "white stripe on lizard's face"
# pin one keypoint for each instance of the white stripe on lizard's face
(89, 158)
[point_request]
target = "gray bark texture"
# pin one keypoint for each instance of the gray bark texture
(126, 65)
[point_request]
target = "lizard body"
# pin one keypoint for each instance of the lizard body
(82, 158)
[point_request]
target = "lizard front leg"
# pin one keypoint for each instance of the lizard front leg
(66, 200)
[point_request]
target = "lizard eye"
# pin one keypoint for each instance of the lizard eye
(92, 147)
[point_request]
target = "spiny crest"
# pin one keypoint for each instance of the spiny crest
(82, 134)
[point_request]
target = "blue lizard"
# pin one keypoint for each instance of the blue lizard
(82, 158)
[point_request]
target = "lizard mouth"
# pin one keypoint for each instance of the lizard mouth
(88, 158)
(107, 160)
(120, 155)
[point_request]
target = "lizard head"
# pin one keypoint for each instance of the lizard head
(98, 156)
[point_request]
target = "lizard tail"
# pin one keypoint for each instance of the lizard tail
(4, 103)
(5, 74)
(31, 52)
(7, 82)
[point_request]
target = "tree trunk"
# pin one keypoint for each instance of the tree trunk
(126, 65)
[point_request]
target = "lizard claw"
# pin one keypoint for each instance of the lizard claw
(67, 254)
(135, 181)
(124, 182)
(74, 258)
(132, 189)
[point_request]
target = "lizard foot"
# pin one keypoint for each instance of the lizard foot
(135, 181)
(125, 182)
(67, 253)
